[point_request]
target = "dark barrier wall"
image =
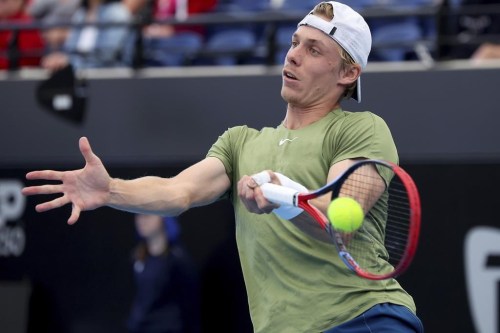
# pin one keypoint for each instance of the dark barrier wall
(57, 278)
(438, 115)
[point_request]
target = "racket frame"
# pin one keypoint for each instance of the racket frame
(301, 200)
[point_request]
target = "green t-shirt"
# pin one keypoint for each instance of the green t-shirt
(295, 281)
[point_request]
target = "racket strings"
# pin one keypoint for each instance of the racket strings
(364, 185)
(398, 221)
(380, 244)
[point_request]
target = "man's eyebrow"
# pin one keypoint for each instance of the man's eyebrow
(312, 41)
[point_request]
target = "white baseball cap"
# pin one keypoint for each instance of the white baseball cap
(350, 30)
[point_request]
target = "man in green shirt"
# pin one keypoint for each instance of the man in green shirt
(294, 280)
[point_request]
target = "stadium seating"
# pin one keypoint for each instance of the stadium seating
(231, 46)
(393, 41)
(178, 50)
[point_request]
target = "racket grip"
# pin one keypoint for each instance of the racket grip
(280, 195)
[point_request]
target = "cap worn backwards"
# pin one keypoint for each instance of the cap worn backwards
(350, 30)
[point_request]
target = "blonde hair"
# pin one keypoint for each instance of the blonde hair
(325, 10)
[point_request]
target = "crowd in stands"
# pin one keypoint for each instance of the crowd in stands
(130, 33)
(20, 48)
(473, 35)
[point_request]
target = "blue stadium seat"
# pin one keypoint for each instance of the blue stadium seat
(283, 40)
(231, 46)
(178, 50)
(360, 4)
(392, 41)
(243, 5)
(399, 4)
(455, 3)
(299, 5)
(406, 30)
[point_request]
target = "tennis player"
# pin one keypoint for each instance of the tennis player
(295, 281)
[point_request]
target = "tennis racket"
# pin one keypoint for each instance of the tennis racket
(385, 244)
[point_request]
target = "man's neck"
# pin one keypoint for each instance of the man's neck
(297, 117)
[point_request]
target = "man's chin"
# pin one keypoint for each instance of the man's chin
(289, 97)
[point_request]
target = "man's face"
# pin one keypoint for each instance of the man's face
(311, 74)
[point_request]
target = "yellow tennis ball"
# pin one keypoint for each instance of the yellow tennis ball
(345, 214)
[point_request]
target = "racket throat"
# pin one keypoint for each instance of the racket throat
(349, 261)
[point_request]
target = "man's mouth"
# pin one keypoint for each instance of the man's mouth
(289, 75)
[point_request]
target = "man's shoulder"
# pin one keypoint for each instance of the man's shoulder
(367, 116)
(359, 114)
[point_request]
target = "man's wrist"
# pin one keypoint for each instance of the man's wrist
(114, 192)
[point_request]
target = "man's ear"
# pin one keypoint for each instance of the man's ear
(350, 75)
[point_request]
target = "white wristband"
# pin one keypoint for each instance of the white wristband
(283, 211)
(289, 212)
(287, 182)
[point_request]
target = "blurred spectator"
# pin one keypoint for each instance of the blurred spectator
(487, 51)
(91, 46)
(18, 48)
(477, 35)
(53, 12)
(155, 36)
(167, 298)
(157, 10)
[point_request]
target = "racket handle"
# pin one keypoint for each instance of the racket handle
(278, 194)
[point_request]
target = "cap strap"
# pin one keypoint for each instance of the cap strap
(315, 21)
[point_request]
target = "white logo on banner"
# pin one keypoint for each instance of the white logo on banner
(12, 203)
(482, 269)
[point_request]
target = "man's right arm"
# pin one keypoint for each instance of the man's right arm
(91, 187)
(198, 185)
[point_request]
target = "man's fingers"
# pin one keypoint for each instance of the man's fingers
(261, 178)
(75, 215)
(86, 150)
(56, 203)
(42, 189)
(251, 194)
(263, 204)
(44, 174)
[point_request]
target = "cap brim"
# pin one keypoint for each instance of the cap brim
(356, 94)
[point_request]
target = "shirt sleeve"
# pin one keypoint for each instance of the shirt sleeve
(363, 135)
(225, 149)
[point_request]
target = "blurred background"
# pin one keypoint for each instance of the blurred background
(153, 83)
